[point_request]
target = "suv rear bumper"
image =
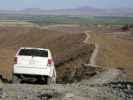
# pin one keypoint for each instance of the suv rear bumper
(31, 70)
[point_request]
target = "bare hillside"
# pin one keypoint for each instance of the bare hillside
(66, 47)
(115, 50)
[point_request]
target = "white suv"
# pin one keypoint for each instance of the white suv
(34, 64)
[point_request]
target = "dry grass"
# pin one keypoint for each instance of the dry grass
(11, 23)
(115, 51)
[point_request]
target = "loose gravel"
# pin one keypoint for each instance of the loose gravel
(94, 89)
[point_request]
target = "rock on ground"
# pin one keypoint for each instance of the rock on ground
(104, 86)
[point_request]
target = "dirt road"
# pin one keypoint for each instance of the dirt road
(95, 52)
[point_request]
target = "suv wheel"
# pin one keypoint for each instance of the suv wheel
(15, 79)
(51, 80)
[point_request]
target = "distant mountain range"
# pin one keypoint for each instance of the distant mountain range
(84, 10)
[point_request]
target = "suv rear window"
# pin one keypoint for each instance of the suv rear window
(33, 52)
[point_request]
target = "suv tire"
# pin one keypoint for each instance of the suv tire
(15, 79)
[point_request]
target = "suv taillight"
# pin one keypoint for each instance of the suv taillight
(15, 60)
(49, 62)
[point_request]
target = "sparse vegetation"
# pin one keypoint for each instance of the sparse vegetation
(61, 19)
(115, 50)
(125, 28)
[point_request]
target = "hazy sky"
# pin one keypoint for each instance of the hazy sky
(57, 4)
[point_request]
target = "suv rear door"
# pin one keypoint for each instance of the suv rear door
(33, 57)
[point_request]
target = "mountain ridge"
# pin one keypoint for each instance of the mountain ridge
(83, 10)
